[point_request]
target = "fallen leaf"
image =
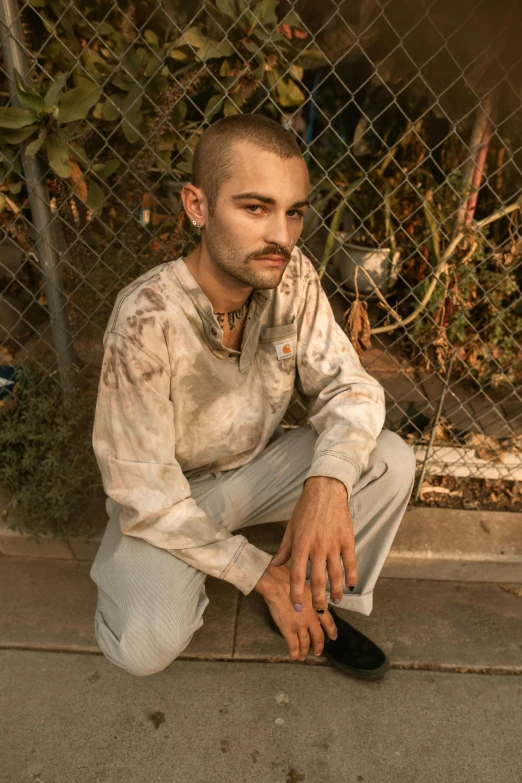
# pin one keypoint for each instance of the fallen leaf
(80, 185)
(486, 447)
(511, 589)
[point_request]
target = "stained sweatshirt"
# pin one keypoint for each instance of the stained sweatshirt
(173, 402)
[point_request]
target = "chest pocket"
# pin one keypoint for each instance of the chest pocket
(276, 359)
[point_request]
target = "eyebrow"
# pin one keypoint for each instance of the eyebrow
(268, 199)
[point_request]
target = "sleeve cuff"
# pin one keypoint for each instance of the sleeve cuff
(336, 466)
(247, 568)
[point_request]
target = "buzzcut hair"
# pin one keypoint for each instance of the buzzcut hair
(213, 161)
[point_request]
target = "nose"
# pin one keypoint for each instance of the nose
(277, 232)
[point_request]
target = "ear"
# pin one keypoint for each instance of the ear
(193, 202)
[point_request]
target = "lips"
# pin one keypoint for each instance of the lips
(280, 259)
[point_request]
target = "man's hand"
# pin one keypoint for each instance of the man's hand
(298, 629)
(320, 530)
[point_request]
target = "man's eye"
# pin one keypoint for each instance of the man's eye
(298, 213)
(254, 206)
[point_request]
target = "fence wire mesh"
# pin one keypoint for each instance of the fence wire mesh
(409, 116)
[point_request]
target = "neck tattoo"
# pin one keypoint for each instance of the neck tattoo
(233, 315)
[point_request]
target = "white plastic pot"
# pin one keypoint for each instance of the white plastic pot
(380, 263)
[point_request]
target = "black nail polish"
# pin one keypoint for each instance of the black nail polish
(351, 588)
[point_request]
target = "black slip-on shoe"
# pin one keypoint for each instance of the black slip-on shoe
(352, 652)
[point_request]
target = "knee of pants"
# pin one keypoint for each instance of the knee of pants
(400, 460)
(139, 651)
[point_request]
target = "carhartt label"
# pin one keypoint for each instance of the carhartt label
(284, 350)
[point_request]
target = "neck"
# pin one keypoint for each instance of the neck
(226, 293)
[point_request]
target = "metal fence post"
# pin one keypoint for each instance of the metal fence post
(34, 173)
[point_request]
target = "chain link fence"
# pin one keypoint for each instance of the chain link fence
(409, 116)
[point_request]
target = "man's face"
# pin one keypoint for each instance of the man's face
(259, 212)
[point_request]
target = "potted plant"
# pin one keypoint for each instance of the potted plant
(354, 254)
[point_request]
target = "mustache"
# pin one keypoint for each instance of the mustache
(273, 251)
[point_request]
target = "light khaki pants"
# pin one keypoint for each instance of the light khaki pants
(150, 603)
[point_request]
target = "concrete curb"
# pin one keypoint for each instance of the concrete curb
(432, 543)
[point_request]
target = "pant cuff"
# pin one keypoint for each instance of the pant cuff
(354, 603)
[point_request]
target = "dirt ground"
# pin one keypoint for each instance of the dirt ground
(470, 493)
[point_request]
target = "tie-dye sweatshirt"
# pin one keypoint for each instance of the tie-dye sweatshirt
(174, 402)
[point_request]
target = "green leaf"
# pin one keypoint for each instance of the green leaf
(130, 132)
(29, 99)
(15, 118)
(230, 108)
(107, 168)
(35, 145)
(154, 65)
(225, 68)
(151, 37)
(132, 62)
(2, 203)
(297, 71)
(110, 112)
(94, 63)
(212, 49)
(185, 166)
(19, 136)
(292, 19)
(227, 7)
(178, 113)
(76, 103)
(267, 11)
(130, 106)
(214, 104)
(123, 81)
(14, 187)
(52, 96)
(177, 54)
(194, 37)
(251, 46)
(95, 195)
(311, 57)
(78, 153)
(289, 94)
(58, 155)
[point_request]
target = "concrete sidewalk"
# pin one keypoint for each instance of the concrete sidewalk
(234, 709)
(71, 718)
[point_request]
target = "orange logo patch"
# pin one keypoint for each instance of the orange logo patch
(284, 350)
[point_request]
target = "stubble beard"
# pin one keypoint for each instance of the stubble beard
(236, 272)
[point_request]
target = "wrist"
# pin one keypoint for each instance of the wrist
(268, 580)
(325, 484)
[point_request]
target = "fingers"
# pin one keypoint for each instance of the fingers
(294, 644)
(328, 625)
(297, 578)
(304, 642)
(318, 580)
(299, 642)
(284, 552)
(350, 566)
(317, 638)
(335, 575)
